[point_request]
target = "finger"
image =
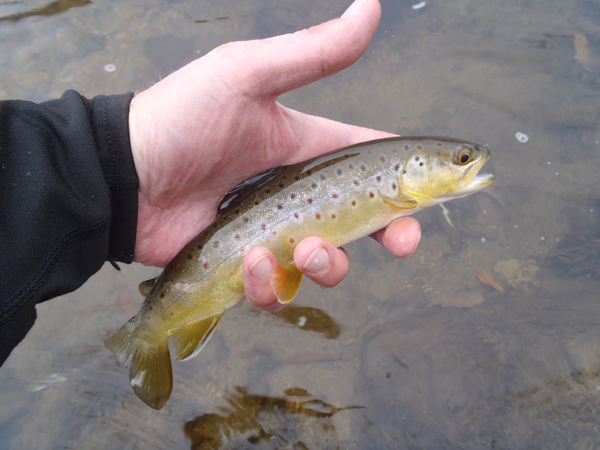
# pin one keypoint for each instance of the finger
(320, 261)
(258, 264)
(293, 60)
(400, 237)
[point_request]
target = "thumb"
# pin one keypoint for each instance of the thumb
(271, 67)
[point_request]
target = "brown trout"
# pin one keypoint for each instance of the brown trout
(340, 197)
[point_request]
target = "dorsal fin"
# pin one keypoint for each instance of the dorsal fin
(242, 190)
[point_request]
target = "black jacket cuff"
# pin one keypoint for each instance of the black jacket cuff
(111, 129)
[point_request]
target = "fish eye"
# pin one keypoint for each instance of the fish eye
(463, 155)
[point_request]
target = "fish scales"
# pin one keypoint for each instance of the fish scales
(340, 197)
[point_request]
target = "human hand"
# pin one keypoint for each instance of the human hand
(216, 122)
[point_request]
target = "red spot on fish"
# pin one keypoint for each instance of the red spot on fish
(334, 195)
(149, 317)
(162, 295)
(353, 202)
(292, 240)
(172, 313)
(296, 215)
(333, 216)
(318, 216)
(371, 194)
(231, 274)
(206, 265)
(310, 200)
(237, 237)
(264, 226)
(150, 308)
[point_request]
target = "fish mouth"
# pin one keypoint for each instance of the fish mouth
(480, 180)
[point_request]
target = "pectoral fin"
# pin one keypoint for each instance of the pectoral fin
(191, 339)
(285, 281)
(401, 203)
(145, 286)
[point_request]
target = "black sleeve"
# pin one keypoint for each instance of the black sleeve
(68, 200)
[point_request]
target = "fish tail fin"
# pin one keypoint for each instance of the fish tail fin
(149, 364)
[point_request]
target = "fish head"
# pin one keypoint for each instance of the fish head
(444, 170)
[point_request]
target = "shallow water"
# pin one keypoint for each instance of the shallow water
(392, 357)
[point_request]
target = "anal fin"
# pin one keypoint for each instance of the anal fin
(285, 281)
(191, 339)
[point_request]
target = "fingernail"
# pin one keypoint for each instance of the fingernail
(261, 268)
(317, 262)
(416, 245)
(354, 7)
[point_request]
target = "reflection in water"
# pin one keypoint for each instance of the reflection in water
(310, 319)
(49, 9)
(280, 422)
(575, 257)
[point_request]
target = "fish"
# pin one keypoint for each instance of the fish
(341, 196)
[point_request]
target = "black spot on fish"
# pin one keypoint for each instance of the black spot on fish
(439, 144)
(257, 202)
(199, 246)
(339, 171)
(404, 171)
(245, 219)
(310, 200)
(397, 167)
(285, 177)
(217, 244)
(421, 164)
(350, 166)
(150, 308)
(406, 147)
(268, 191)
(280, 206)
(293, 196)
(322, 177)
(296, 178)
(363, 168)
(237, 237)
(416, 158)
(162, 295)
(394, 186)
(382, 159)
(309, 172)
(237, 211)
(357, 183)
(281, 185)
(314, 185)
(378, 177)
(190, 256)
(264, 226)
(419, 147)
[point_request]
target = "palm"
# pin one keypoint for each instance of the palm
(216, 122)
